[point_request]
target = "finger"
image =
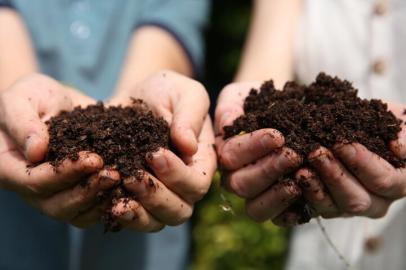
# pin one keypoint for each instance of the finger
(189, 114)
(22, 110)
(315, 193)
(22, 123)
(375, 173)
(157, 199)
(347, 192)
(46, 179)
(242, 150)
(133, 216)
(67, 204)
(91, 216)
(273, 202)
(248, 182)
(230, 104)
(287, 219)
(398, 146)
(190, 181)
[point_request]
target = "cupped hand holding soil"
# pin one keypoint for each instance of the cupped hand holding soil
(57, 193)
(360, 174)
(164, 156)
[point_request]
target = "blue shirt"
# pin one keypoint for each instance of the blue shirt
(83, 43)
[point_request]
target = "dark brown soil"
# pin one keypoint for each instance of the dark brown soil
(122, 136)
(326, 112)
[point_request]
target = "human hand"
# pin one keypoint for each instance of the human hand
(350, 180)
(168, 196)
(254, 162)
(61, 192)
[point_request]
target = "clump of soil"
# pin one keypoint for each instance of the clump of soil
(325, 113)
(122, 136)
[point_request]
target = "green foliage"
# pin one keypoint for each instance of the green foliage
(224, 238)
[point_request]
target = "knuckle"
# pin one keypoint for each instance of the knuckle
(228, 160)
(237, 187)
(357, 207)
(184, 216)
(251, 213)
(199, 193)
(383, 185)
(270, 169)
(380, 213)
(156, 204)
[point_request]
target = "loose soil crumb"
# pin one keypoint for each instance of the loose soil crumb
(122, 136)
(325, 113)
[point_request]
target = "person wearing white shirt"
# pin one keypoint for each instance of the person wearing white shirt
(362, 41)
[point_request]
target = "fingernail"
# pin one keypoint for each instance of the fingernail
(323, 160)
(136, 186)
(191, 134)
(159, 162)
(31, 140)
(223, 120)
(288, 159)
(106, 182)
(265, 141)
(347, 151)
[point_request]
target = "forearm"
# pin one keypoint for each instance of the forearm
(151, 49)
(268, 51)
(17, 57)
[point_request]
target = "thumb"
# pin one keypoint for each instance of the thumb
(22, 123)
(189, 114)
(230, 104)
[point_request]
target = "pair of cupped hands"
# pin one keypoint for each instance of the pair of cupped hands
(347, 180)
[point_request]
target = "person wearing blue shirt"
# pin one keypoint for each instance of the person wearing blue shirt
(109, 50)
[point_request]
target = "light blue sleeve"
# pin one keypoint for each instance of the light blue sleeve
(5, 3)
(184, 19)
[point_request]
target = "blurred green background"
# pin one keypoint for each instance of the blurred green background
(221, 239)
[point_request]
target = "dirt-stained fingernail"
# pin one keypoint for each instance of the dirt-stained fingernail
(31, 140)
(345, 151)
(106, 182)
(266, 140)
(288, 159)
(159, 162)
(321, 159)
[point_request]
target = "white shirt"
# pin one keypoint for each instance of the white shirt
(363, 41)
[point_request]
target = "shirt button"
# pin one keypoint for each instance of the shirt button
(380, 8)
(373, 244)
(80, 30)
(379, 66)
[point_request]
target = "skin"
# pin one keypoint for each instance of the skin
(262, 157)
(345, 181)
(180, 180)
(28, 99)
